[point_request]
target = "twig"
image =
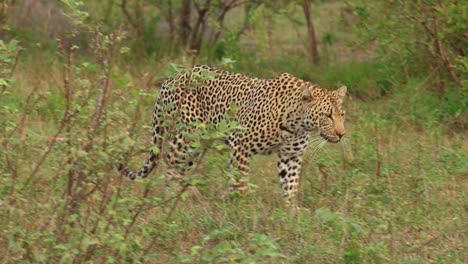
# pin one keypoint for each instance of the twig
(123, 7)
(440, 48)
(177, 199)
(66, 116)
(12, 71)
(378, 170)
(434, 33)
(429, 241)
(226, 8)
(135, 216)
(310, 31)
(105, 60)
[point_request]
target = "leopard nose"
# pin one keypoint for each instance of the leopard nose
(340, 134)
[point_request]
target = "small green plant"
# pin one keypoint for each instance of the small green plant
(424, 39)
(220, 246)
(9, 53)
(394, 191)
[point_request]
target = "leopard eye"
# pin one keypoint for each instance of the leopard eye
(307, 98)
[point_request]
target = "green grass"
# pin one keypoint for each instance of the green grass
(392, 192)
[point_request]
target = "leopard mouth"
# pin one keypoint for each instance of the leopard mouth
(310, 129)
(283, 128)
(330, 139)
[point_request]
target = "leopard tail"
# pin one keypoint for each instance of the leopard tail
(153, 158)
(144, 171)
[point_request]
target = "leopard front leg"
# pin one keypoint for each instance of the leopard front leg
(241, 160)
(289, 168)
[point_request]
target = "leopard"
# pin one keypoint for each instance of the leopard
(282, 115)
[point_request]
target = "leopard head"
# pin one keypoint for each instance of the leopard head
(323, 112)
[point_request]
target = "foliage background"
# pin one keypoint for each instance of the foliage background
(77, 84)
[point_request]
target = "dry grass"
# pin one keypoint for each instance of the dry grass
(393, 192)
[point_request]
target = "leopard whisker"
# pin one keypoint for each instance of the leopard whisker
(316, 136)
(316, 142)
(318, 146)
(316, 139)
(344, 146)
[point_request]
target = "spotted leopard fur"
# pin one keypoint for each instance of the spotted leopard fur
(279, 115)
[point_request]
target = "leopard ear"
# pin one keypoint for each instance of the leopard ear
(307, 94)
(341, 91)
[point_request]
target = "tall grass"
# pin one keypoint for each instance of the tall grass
(393, 191)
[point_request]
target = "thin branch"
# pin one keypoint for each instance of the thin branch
(440, 48)
(434, 33)
(66, 116)
(177, 199)
(226, 8)
(12, 71)
(123, 7)
(310, 31)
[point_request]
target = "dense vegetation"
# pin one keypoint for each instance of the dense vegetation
(77, 84)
